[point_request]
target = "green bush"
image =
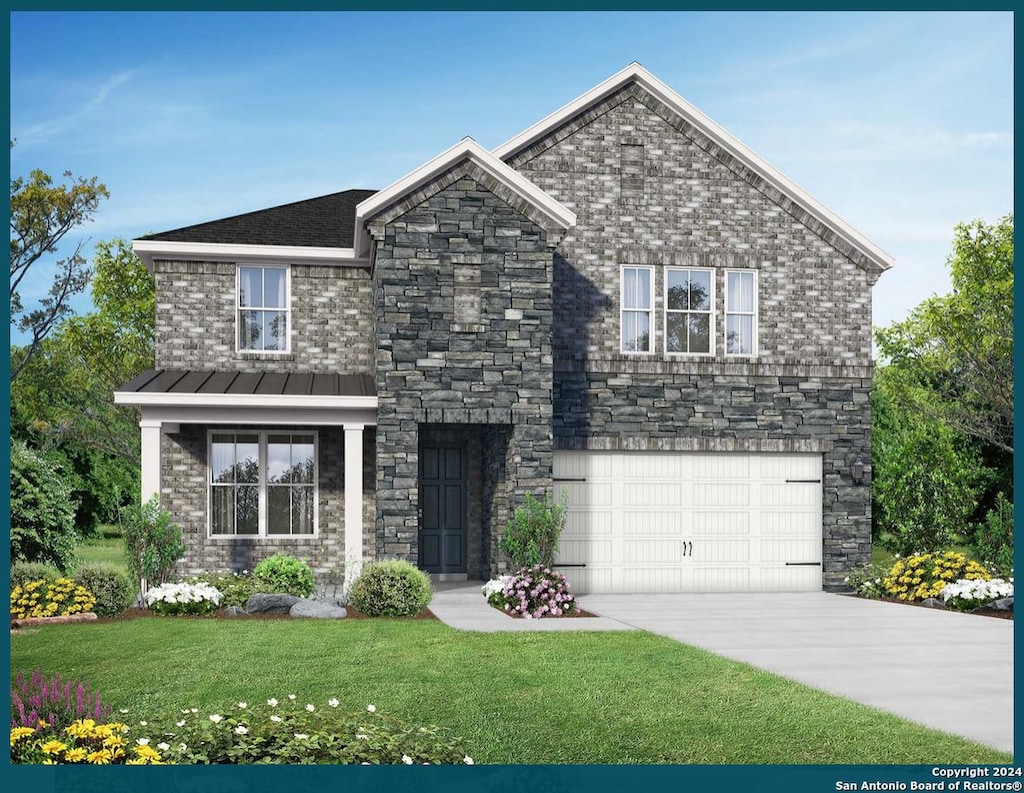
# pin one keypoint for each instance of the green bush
(42, 511)
(993, 539)
(152, 543)
(531, 537)
(235, 588)
(112, 587)
(867, 580)
(283, 573)
(393, 588)
(23, 572)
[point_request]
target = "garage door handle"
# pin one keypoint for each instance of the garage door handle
(803, 481)
(803, 564)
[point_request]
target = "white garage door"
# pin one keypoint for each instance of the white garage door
(690, 521)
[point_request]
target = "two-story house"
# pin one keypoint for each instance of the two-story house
(623, 304)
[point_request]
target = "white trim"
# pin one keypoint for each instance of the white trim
(638, 74)
(263, 505)
(151, 458)
(200, 414)
(149, 250)
(465, 149)
(149, 399)
(711, 313)
(754, 323)
(239, 308)
(652, 347)
(354, 492)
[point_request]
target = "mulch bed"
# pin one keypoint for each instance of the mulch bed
(1001, 615)
(353, 614)
(578, 613)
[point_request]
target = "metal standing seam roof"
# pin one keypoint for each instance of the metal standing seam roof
(174, 381)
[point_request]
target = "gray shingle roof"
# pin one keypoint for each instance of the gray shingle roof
(324, 222)
(171, 381)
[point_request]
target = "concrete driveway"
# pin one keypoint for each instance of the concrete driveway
(950, 671)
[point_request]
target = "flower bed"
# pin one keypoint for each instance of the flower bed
(532, 593)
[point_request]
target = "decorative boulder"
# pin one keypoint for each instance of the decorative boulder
(933, 603)
(233, 611)
(1003, 604)
(318, 609)
(266, 603)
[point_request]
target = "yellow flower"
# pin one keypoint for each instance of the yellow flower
(80, 728)
(76, 755)
(146, 753)
(53, 746)
(101, 757)
(17, 733)
(113, 742)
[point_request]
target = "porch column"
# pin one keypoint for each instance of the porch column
(150, 458)
(353, 493)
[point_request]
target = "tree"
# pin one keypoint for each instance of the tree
(955, 352)
(42, 511)
(42, 214)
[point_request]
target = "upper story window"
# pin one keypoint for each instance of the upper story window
(741, 312)
(689, 311)
(263, 309)
(636, 316)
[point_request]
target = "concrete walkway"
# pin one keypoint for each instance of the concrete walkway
(949, 671)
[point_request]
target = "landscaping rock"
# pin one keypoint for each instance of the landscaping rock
(933, 603)
(1003, 604)
(318, 609)
(268, 603)
(233, 611)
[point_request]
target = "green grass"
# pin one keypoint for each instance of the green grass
(107, 548)
(515, 698)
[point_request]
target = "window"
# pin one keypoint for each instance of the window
(636, 309)
(689, 313)
(740, 312)
(263, 483)
(263, 309)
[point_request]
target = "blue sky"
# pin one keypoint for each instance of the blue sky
(902, 123)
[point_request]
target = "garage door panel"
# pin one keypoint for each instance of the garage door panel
(579, 523)
(653, 551)
(790, 551)
(585, 552)
(651, 523)
(803, 524)
(722, 466)
(722, 551)
(790, 495)
(639, 494)
(721, 524)
(722, 495)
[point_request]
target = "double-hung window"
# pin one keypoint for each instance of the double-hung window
(689, 311)
(741, 312)
(636, 318)
(262, 306)
(263, 483)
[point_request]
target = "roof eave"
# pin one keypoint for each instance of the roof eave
(150, 250)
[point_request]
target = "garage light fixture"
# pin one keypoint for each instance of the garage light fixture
(857, 471)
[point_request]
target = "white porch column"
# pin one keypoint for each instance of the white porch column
(353, 493)
(150, 458)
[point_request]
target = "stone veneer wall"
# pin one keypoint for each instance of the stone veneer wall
(649, 189)
(433, 367)
(331, 315)
(183, 491)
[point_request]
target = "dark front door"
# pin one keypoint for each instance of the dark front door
(443, 512)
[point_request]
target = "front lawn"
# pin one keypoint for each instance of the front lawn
(107, 547)
(515, 698)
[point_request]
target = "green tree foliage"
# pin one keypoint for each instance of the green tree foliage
(153, 543)
(42, 511)
(531, 537)
(42, 214)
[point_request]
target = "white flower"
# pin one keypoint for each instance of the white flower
(301, 736)
(180, 723)
(291, 696)
(467, 760)
(241, 729)
(272, 702)
(333, 703)
(186, 710)
(194, 710)
(275, 718)
(243, 705)
(215, 717)
(362, 736)
(406, 759)
(143, 723)
(310, 707)
(142, 741)
(123, 710)
(182, 747)
(371, 708)
(163, 746)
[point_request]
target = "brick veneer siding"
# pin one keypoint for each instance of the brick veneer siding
(331, 315)
(433, 368)
(808, 388)
(183, 491)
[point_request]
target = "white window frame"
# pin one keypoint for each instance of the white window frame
(262, 484)
(622, 309)
(726, 313)
(710, 312)
(239, 308)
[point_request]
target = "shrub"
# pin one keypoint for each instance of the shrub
(235, 588)
(61, 597)
(56, 702)
(178, 599)
(42, 511)
(152, 542)
(531, 537)
(993, 539)
(83, 742)
(866, 580)
(283, 573)
(967, 594)
(533, 592)
(23, 572)
(924, 575)
(113, 589)
(292, 731)
(393, 588)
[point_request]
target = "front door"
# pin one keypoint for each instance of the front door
(443, 509)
